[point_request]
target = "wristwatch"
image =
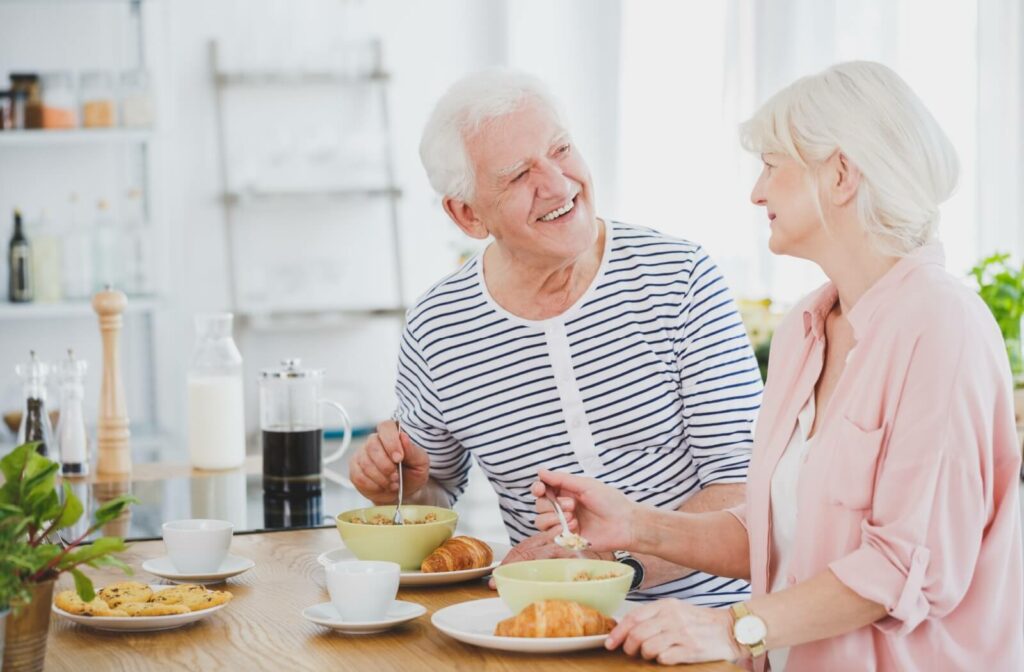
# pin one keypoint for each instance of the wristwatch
(748, 629)
(638, 568)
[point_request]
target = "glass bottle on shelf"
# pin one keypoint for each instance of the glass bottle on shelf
(99, 103)
(60, 108)
(136, 100)
(28, 96)
(76, 253)
(216, 415)
(46, 263)
(35, 423)
(137, 245)
(72, 438)
(108, 250)
(19, 265)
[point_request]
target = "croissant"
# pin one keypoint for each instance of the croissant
(555, 618)
(458, 553)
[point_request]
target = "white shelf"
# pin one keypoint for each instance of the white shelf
(42, 311)
(313, 318)
(345, 194)
(92, 136)
(296, 78)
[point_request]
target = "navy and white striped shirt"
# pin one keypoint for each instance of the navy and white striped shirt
(648, 383)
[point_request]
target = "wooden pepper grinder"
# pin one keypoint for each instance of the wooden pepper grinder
(115, 456)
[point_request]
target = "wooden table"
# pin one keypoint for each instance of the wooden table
(262, 627)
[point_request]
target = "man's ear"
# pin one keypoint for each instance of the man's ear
(465, 218)
(845, 179)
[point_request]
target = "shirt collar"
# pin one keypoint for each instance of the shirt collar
(862, 312)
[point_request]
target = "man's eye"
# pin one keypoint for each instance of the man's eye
(519, 176)
(564, 149)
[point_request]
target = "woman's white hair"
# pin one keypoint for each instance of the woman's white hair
(462, 110)
(866, 111)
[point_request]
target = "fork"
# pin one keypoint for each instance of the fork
(397, 518)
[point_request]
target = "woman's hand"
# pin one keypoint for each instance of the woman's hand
(599, 513)
(672, 632)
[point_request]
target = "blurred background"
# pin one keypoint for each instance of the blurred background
(259, 157)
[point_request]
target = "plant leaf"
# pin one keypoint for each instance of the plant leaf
(72, 510)
(111, 561)
(113, 509)
(83, 584)
(98, 548)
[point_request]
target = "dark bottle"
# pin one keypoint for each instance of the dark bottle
(19, 261)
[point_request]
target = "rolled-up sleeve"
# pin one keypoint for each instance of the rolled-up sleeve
(920, 544)
(720, 381)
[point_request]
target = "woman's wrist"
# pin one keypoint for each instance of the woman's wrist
(740, 652)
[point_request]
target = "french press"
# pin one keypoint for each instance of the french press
(291, 424)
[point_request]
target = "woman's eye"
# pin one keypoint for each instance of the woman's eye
(564, 149)
(519, 177)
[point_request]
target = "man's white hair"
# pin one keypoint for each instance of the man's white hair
(865, 110)
(462, 110)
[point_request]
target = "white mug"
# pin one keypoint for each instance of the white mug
(197, 545)
(362, 590)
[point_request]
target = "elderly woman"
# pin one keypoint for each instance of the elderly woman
(571, 342)
(882, 527)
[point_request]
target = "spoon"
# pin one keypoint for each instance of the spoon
(567, 539)
(397, 518)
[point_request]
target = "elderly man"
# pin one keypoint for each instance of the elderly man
(570, 343)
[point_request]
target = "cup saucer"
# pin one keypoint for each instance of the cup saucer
(398, 612)
(164, 568)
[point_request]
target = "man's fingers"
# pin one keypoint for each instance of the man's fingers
(415, 457)
(369, 470)
(376, 454)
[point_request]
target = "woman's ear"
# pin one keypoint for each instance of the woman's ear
(465, 218)
(845, 179)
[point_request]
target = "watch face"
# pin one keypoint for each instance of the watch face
(750, 630)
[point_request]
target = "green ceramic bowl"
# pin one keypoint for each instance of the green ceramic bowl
(522, 583)
(407, 545)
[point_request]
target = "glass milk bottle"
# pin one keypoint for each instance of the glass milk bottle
(216, 419)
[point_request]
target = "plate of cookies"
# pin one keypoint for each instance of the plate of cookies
(458, 559)
(137, 607)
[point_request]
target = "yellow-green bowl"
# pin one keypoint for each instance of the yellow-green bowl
(522, 583)
(407, 545)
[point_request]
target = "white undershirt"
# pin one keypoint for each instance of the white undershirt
(784, 511)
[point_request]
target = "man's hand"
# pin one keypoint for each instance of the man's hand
(374, 467)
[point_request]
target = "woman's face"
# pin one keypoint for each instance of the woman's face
(785, 190)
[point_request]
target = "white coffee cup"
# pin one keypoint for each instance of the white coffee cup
(362, 590)
(197, 545)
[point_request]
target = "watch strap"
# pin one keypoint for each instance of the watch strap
(638, 568)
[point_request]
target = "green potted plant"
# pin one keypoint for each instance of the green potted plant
(31, 515)
(1001, 287)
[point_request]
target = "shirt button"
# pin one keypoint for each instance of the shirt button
(577, 423)
(563, 374)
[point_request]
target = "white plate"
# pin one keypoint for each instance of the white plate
(164, 568)
(139, 623)
(399, 612)
(417, 578)
(473, 622)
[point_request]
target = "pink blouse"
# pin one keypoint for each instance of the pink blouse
(910, 493)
